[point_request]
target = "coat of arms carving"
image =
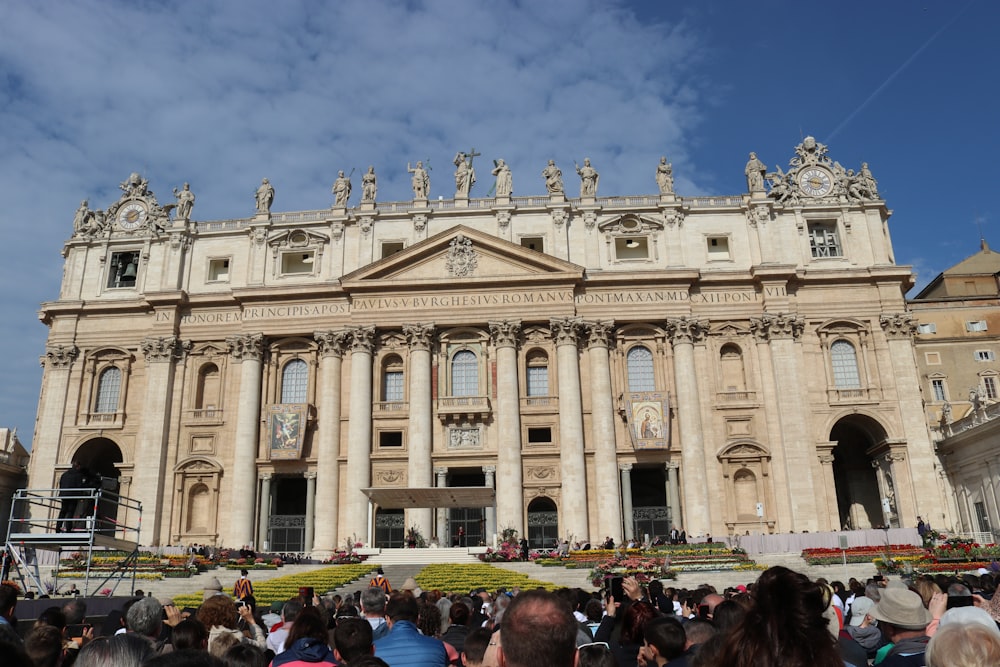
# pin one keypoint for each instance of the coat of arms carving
(461, 260)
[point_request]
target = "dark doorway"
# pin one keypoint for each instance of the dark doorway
(390, 528)
(99, 457)
(466, 525)
(543, 524)
(858, 499)
(650, 515)
(287, 523)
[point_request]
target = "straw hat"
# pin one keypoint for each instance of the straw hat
(902, 608)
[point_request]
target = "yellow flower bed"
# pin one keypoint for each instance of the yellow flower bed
(462, 578)
(280, 589)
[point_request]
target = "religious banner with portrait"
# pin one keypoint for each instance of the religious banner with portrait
(648, 416)
(286, 425)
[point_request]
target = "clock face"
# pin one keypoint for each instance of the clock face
(131, 215)
(815, 182)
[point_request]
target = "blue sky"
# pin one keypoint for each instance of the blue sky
(221, 94)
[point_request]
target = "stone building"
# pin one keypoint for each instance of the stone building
(568, 367)
(13, 473)
(958, 336)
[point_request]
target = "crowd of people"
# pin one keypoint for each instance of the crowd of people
(782, 619)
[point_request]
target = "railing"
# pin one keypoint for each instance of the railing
(463, 403)
(103, 419)
(715, 202)
(855, 395)
(206, 413)
(736, 396)
(528, 402)
(391, 406)
(974, 418)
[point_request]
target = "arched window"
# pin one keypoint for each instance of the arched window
(639, 362)
(392, 379)
(845, 365)
(207, 396)
(294, 382)
(538, 373)
(731, 362)
(465, 374)
(109, 387)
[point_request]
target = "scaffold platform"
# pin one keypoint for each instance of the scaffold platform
(85, 521)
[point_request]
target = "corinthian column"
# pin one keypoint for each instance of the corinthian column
(51, 410)
(247, 351)
(572, 467)
(331, 350)
(697, 511)
(509, 475)
(151, 452)
(609, 505)
(420, 338)
(354, 516)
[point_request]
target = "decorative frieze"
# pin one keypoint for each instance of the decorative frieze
(464, 437)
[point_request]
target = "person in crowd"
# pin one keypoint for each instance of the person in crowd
(352, 638)
(45, 646)
(964, 645)
(404, 646)
(124, 650)
(276, 640)
(145, 618)
(243, 588)
(307, 642)
(245, 655)
(903, 620)
(429, 624)
(595, 654)
(8, 622)
(221, 616)
(474, 647)
(538, 630)
(663, 641)
(189, 633)
(380, 581)
(373, 608)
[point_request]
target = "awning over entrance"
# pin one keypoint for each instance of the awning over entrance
(444, 496)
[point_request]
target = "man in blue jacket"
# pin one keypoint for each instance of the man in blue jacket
(404, 646)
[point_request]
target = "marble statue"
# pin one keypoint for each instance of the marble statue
(465, 175)
(341, 189)
(665, 177)
(421, 181)
(135, 186)
(868, 183)
(505, 180)
(553, 178)
(780, 187)
(369, 185)
(755, 171)
(265, 196)
(946, 413)
(81, 217)
(588, 178)
(185, 202)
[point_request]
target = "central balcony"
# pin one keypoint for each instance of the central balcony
(463, 408)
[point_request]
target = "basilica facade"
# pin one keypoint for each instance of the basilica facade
(569, 367)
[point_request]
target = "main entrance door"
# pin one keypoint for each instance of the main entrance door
(286, 527)
(543, 524)
(390, 529)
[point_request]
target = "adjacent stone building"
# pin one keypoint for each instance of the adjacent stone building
(582, 367)
(13, 473)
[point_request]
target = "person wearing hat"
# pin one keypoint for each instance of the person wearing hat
(380, 581)
(411, 585)
(213, 587)
(861, 628)
(903, 620)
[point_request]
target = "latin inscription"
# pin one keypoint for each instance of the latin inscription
(367, 304)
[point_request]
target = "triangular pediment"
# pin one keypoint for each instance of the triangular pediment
(466, 256)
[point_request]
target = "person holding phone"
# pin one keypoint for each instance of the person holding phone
(629, 613)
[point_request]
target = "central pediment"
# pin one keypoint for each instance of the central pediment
(463, 256)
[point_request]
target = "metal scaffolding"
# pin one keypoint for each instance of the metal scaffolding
(90, 522)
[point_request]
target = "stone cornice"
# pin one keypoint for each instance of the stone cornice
(505, 333)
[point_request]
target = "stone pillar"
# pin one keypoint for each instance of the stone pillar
(45, 448)
(310, 510)
(354, 513)
(263, 534)
(151, 449)
(899, 330)
(673, 494)
(441, 530)
(697, 518)
(781, 331)
(509, 473)
(420, 430)
(626, 472)
(331, 350)
(606, 487)
(248, 351)
(573, 470)
(827, 488)
(491, 512)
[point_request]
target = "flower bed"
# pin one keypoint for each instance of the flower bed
(506, 552)
(860, 554)
(642, 568)
(462, 578)
(283, 588)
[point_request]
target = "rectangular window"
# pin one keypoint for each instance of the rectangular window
(538, 380)
(929, 328)
(218, 270)
(391, 248)
(718, 248)
(393, 389)
(938, 387)
(985, 355)
(977, 325)
(631, 248)
(536, 243)
(123, 269)
(390, 439)
(823, 240)
(299, 262)
(990, 385)
(539, 435)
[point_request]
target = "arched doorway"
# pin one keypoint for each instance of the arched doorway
(859, 497)
(99, 456)
(543, 523)
(390, 528)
